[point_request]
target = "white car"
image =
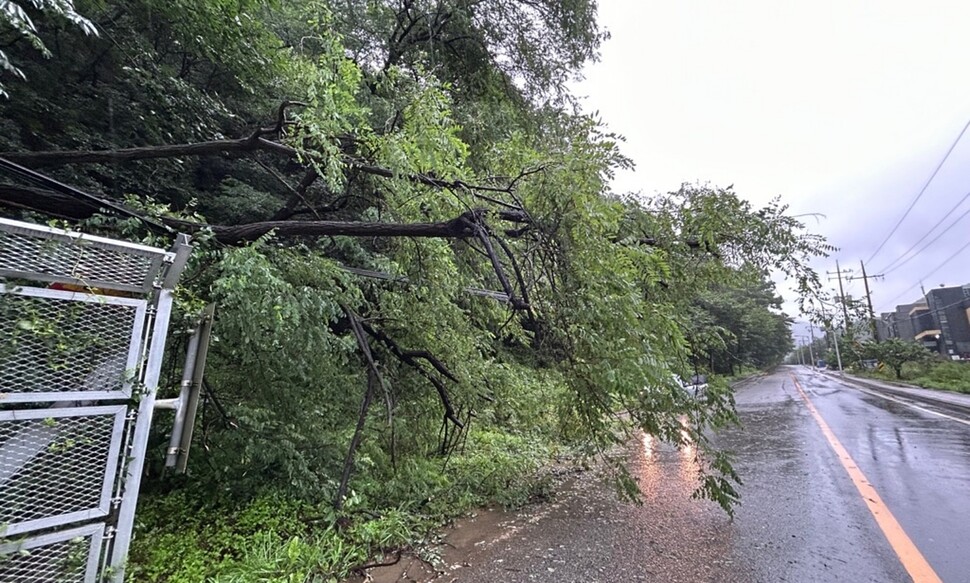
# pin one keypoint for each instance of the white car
(696, 385)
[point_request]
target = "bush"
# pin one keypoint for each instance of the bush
(187, 538)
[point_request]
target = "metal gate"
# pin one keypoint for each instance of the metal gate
(83, 322)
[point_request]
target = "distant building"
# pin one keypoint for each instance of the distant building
(926, 330)
(901, 323)
(949, 309)
(940, 321)
(884, 325)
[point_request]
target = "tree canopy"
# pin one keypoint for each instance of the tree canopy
(895, 352)
(407, 226)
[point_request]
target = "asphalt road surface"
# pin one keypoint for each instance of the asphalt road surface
(880, 494)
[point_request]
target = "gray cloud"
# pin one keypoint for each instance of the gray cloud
(839, 107)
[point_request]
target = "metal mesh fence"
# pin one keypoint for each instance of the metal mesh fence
(68, 557)
(85, 260)
(56, 465)
(51, 345)
(64, 349)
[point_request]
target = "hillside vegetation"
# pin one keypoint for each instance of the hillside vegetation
(425, 289)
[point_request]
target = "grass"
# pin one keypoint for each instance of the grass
(188, 536)
(936, 374)
(745, 372)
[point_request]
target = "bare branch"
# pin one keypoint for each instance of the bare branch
(373, 376)
(432, 359)
(299, 195)
(408, 358)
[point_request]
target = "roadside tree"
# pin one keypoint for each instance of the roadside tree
(410, 235)
(895, 352)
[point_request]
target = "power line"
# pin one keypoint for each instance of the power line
(947, 260)
(906, 291)
(948, 213)
(920, 195)
(934, 270)
(28, 175)
(872, 314)
(933, 240)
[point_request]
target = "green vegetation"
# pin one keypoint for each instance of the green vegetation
(895, 353)
(945, 375)
(16, 23)
(900, 360)
(753, 333)
(931, 373)
(436, 145)
(192, 535)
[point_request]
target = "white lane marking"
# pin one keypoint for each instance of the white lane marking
(907, 404)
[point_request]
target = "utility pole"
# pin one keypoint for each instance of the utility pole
(838, 353)
(845, 310)
(872, 314)
(811, 352)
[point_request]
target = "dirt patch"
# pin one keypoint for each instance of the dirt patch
(468, 540)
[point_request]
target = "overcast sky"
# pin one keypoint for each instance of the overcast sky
(843, 108)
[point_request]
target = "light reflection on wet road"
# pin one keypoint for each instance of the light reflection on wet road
(802, 519)
(918, 462)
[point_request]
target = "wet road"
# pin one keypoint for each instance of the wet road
(803, 518)
(917, 460)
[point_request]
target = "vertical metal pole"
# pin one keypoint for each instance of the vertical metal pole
(146, 406)
(811, 351)
(205, 333)
(185, 387)
(845, 310)
(872, 314)
(139, 442)
(838, 355)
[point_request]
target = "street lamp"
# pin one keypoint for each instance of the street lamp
(811, 351)
(811, 330)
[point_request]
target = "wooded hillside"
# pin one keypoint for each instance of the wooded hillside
(425, 286)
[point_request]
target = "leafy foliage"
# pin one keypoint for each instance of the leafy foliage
(946, 375)
(389, 114)
(14, 19)
(895, 352)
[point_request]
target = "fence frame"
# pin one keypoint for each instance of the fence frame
(133, 404)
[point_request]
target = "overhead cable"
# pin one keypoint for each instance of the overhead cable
(904, 292)
(890, 268)
(920, 195)
(934, 270)
(947, 260)
(39, 179)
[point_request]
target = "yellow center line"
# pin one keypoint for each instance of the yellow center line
(913, 561)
